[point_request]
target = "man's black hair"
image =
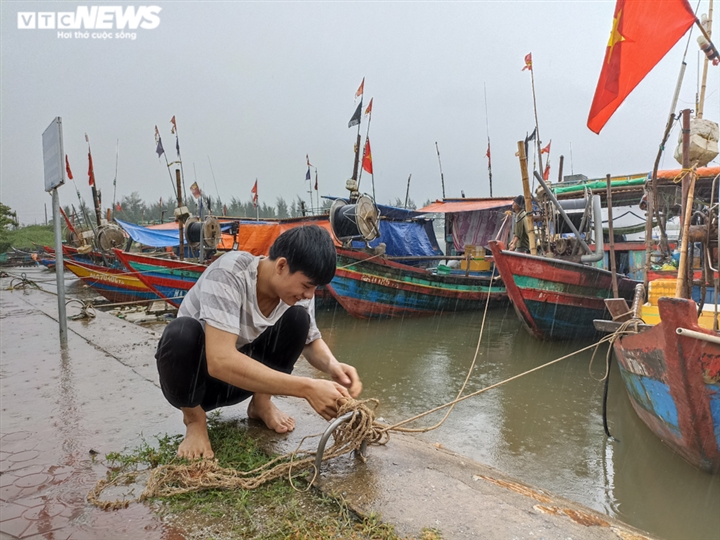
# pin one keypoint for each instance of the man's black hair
(308, 249)
(520, 201)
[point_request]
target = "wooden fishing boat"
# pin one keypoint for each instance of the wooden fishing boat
(368, 286)
(557, 299)
(116, 285)
(170, 279)
(672, 376)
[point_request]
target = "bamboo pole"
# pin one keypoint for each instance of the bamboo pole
(528, 197)
(703, 85)
(682, 290)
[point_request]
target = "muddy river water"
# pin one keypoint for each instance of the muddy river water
(545, 428)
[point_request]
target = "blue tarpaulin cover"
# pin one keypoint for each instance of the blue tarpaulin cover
(405, 238)
(156, 237)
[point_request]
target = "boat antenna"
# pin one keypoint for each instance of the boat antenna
(442, 178)
(213, 175)
(487, 130)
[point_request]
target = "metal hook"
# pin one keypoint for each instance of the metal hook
(329, 431)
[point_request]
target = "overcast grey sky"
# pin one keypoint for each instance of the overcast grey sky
(255, 86)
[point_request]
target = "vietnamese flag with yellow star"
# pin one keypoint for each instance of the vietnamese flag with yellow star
(642, 33)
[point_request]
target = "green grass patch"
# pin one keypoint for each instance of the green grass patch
(24, 237)
(273, 511)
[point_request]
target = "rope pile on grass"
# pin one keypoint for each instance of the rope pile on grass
(176, 479)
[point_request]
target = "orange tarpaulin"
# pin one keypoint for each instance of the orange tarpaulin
(256, 238)
(702, 172)
(465, 205)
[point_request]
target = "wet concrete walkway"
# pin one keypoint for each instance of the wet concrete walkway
(63, 410)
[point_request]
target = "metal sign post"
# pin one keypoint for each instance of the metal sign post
(53, 155)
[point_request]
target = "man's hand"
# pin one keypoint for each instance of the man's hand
(323, 396)
(320, 357)
(347, 376)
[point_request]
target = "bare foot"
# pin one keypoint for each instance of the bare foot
(196, 443)
(262, 408)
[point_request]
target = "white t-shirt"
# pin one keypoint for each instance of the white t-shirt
(225, 297)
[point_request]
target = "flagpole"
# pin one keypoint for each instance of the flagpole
(96, 202)
(372, 174)
(177, 148)
(537, 128)
(357, 154)
(158, 140)
(487, 130)
(317, 189)
(367, 134)
(354, 185)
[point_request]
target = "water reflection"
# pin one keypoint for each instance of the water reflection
(545, 428)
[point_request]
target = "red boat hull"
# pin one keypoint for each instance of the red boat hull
(673, 382)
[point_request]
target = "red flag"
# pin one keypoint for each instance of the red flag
(546, 150)
(642, 33)
(67, 168)
(254, 192)
(369, 107)
(91, 172)
(487, 154)
(308, 161)
(118, 208)
(528, 62)
(360, 89)
(195, 190)
(546, 174)
(224, 209)
(174, 128)
(367, 157)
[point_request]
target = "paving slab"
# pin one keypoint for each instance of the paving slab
(60, 408)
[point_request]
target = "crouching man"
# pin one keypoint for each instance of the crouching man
(239, 332)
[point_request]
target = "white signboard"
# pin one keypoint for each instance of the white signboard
(53, 155)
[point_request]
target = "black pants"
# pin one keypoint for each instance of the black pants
(182, 365)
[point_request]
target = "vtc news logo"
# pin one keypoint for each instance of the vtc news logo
(92, 18)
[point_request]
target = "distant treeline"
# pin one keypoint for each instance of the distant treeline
(133, 209)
